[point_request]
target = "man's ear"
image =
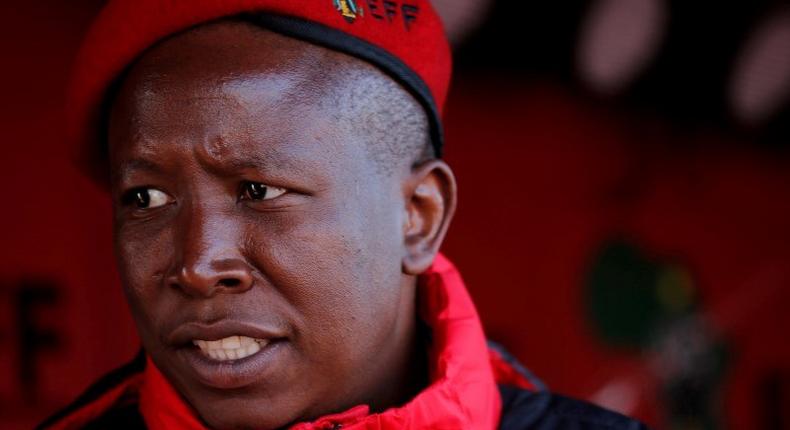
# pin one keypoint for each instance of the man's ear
(430, 195)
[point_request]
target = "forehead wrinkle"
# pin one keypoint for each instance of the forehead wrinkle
(297, 91)
(233, 151)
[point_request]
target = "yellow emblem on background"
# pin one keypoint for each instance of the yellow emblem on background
(349, 9)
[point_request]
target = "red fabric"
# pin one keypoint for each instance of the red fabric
(462, 394)
(126, 28)
(161, 405)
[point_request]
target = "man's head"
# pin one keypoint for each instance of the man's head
(280, 191)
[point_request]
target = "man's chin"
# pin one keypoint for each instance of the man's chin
(240, 417)
(246, 409)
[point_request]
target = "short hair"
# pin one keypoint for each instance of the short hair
(395, 123)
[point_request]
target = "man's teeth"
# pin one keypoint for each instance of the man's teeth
(230, 348)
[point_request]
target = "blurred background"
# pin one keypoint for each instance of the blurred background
(624, 220)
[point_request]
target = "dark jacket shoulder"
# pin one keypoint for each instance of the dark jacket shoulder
(542, 410)
(105, 404)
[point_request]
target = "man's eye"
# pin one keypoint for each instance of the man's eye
(146, 198)
(258, 191)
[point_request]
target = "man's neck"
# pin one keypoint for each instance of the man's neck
(411, 375)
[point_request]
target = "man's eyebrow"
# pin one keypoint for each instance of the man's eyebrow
(136, 164)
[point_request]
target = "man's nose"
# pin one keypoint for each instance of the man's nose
(208, 260)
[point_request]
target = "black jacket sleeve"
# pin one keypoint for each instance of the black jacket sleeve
(542, 410)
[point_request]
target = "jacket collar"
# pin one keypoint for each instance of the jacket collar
(462, 392)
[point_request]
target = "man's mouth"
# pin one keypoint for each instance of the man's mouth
(231, 347)
(229, 353)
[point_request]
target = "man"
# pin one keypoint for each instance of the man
(279, 204)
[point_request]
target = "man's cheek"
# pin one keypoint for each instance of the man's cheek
(317, 245)
(136, 274)
(141, 273)
(319, 270)
(143, 253)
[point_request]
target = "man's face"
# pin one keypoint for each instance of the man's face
(246, 210)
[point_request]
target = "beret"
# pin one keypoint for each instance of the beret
(403, 38)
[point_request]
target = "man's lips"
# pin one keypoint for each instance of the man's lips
(229, 354)
(186, 334)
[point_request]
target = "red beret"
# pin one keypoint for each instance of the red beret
(404, 38)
